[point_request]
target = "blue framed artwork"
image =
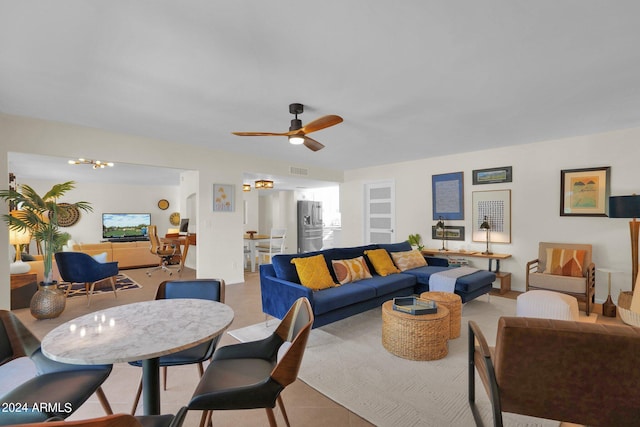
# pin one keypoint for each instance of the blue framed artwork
(447, 191)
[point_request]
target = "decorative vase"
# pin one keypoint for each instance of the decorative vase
(609, 308)
(48, 302)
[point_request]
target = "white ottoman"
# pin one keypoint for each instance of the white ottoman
(547, 305)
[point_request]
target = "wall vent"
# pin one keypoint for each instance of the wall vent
(293, 170)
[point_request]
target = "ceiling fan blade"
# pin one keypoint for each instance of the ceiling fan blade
(312, 144)
(261, 133)
(321, 123)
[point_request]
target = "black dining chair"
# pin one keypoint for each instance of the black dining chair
(253, 374)
(78, 267)
(46, 387)
(117, 420)
(210, 289)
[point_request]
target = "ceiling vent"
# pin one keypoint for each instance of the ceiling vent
(293, 170)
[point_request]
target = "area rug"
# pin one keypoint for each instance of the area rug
(123, 283)
(346, 362)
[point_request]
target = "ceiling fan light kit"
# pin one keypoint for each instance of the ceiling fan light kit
(296, 140)
(297, 133)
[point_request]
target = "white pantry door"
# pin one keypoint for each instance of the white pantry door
(379, 212)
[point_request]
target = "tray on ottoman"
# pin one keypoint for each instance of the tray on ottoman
(413, 305)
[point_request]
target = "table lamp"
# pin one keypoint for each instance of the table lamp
(440, 226)
(485, 226)
(19, 238)
(628, 207)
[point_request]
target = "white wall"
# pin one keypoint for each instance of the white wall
(278, 209)
(535, 200)
(220, 246)
(112, 198)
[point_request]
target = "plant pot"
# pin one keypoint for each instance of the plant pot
(48, 302)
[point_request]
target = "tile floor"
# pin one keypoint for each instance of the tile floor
(305, 406)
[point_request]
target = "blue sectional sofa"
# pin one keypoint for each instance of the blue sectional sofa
(280, 285)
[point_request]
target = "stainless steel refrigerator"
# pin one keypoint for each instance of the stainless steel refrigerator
(309, 226)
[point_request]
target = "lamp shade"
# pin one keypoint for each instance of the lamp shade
(19, 237)
(485, 224)
(624, 206)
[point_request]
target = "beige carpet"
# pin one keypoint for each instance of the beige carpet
(345, 361)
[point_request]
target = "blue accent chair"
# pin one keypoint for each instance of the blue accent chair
(209, 289)
(50, 389)
(78, 267)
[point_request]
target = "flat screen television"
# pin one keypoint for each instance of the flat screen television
(125, 226)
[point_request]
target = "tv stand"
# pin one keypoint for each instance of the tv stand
(127, 239)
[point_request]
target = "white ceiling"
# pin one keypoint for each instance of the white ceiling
(412, 78)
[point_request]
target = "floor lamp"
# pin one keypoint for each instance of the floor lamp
(628, 207)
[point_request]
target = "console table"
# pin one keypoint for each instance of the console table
(505, 277)
(23, 286)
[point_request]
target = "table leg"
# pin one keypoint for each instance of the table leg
(252, 247)
(185, 251)
(151, 386)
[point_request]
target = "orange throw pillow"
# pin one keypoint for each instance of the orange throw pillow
(565, 262)
(351, 270)
(408, 260)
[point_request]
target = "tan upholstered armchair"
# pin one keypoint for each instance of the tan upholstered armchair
(566, 272)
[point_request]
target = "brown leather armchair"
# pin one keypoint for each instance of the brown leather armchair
(577, 372)
(582, 286)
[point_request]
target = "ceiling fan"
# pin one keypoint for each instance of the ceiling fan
(297, 133)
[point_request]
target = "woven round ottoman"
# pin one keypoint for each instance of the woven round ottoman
(547, 305)
(415, 337)
(454, 303)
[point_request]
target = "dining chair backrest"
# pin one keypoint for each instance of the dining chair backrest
(154, 239)
(276, 239)
(210, 289)
(15, 339)
(294, 328)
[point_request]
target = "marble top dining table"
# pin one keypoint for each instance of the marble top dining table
(138, 331)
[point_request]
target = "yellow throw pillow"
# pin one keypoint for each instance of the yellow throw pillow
(350, 270)
(381, 261)
(313, 272)
(565, 262)
(408, 260)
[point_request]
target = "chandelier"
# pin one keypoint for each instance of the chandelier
(264, 184)
(96, 164)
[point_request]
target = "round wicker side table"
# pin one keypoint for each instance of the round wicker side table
(454, 303)
(415, 337)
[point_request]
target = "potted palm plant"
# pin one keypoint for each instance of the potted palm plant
(39, 215)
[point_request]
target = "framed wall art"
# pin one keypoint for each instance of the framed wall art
(451, 232)
(223, 198)
(496, 207)
(492, 176)
(448, 196)
(585, 192)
